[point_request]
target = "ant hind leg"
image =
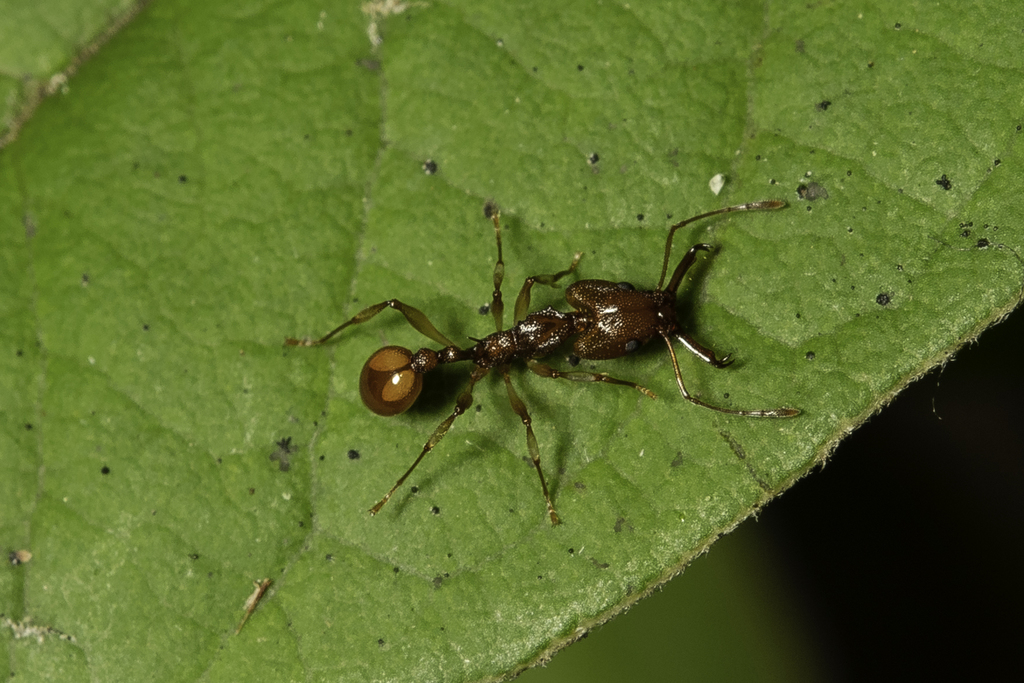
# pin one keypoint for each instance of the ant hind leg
(497, 305)
(463, 403)
(417, 318)
(531, 441)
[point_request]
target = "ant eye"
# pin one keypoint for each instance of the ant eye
(387, 385)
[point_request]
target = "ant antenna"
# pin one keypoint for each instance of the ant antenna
(765, 205)
(772, 412)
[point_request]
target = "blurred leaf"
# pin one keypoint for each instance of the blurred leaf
(42, 44)
(217, 178)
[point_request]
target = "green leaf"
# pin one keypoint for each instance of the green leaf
(43, 43)
(217, 178)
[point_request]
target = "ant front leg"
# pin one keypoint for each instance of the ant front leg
(414, 316)
(531, 440)
(463, 403)
(543, 370)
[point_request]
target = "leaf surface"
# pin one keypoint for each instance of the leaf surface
(218, 178)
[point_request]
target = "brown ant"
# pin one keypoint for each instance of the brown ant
(611, 319)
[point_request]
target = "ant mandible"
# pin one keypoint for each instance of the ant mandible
(611, 319)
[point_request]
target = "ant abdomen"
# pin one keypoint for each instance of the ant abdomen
(387, 384)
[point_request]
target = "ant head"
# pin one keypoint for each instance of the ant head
(388, 385)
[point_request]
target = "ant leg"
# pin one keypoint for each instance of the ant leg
(773, 412)
(543, 370)
(463, 403)
(531, 441)
(704, 353)
(415, 316)
(523, 300)
(497, 305)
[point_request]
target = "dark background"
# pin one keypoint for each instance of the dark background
(899, 559)
(906, 549)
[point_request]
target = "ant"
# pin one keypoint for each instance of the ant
(610, 320)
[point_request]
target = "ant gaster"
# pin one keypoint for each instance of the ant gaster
(611, 319)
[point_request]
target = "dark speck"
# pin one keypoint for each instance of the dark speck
(579, 67)
(183, 179)
(639, 216)
(811, 191)
(982, 244)
(105, 470)
(944, 182)
(436, 510)
(882, 299)
(824, 105)
(430, 167)
(809, 355)
(353, 455)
